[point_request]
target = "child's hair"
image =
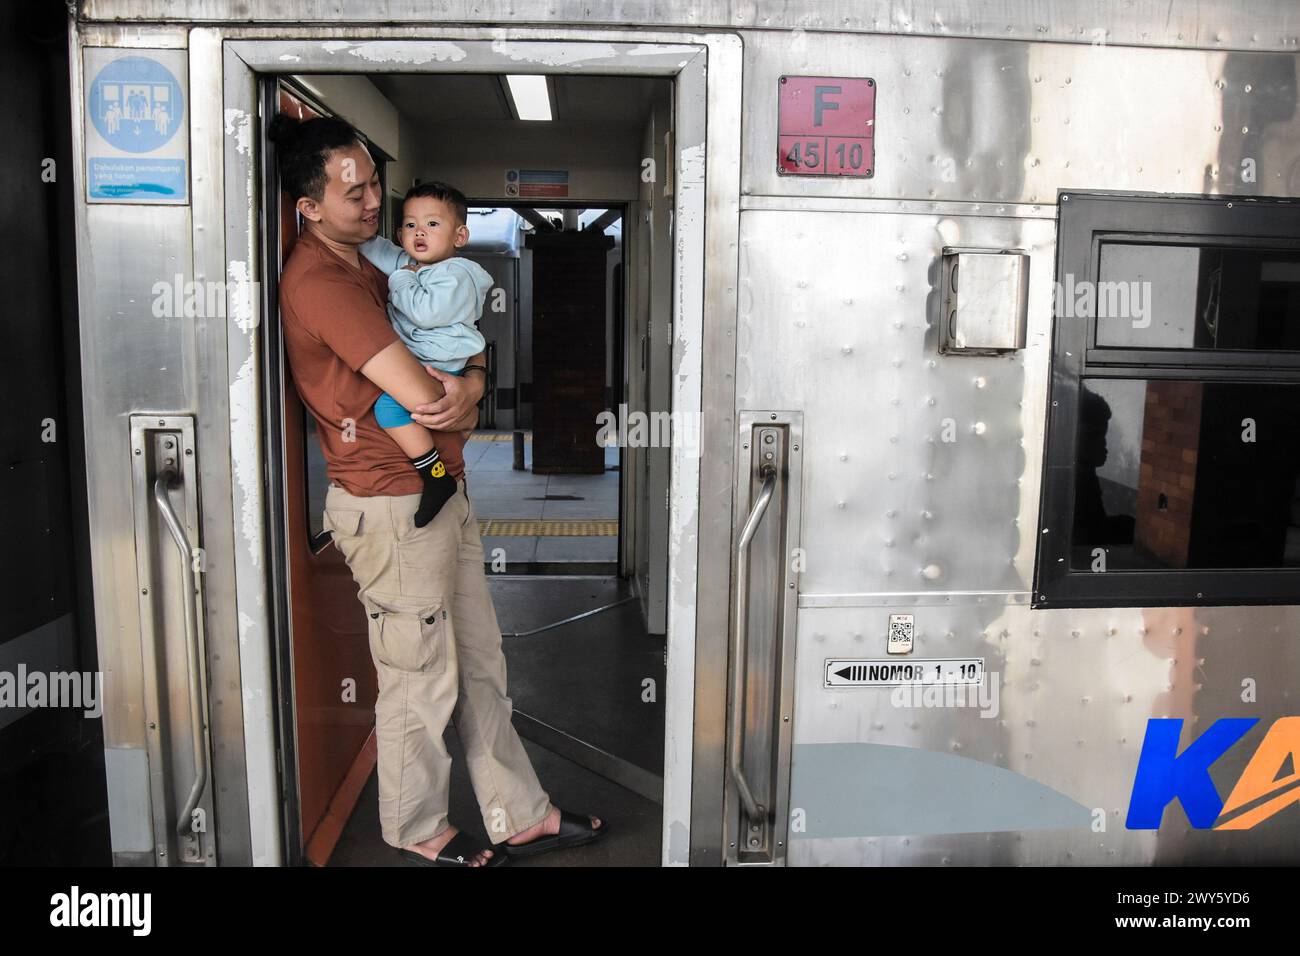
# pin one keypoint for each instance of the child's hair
(452, 196)
(303, 148)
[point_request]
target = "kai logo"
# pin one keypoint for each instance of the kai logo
(437, 470)
(1269, 784)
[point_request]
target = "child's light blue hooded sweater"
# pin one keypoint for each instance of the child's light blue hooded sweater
(433, 309)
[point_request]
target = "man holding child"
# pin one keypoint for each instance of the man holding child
(397, 504)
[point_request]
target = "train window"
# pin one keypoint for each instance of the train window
(1172, 464)
(1197, 297)
(1164, 478)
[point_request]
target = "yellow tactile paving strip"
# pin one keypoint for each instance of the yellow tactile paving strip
(498, 436)
(530, 527)
(538, 528)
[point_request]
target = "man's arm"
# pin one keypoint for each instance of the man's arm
(435, 399)
(396, 371)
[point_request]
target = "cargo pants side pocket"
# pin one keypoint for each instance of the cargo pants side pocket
(408, 635)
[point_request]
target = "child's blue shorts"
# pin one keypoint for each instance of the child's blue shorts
(389, 412)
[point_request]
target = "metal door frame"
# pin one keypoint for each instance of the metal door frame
(706, 229)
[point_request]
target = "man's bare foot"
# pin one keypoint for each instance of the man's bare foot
(432, 847)
(549, 826)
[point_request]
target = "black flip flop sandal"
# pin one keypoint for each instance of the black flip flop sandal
(575, 830)
(458, 852)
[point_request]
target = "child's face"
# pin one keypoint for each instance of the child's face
(430, 230)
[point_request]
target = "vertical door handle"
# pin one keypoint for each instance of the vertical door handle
(739, 639)
(198, 691)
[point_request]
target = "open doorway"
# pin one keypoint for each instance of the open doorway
(577, 238)
(548, 496)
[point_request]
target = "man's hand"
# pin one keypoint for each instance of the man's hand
(457, 409)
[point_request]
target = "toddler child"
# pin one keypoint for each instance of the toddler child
(434, 300)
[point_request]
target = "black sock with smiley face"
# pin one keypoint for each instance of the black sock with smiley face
(439, 486)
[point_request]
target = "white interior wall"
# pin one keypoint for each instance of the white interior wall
(650, 339)
(659, 364)
(474, 158)
(358, 101)
(403, 169)
(637, 235)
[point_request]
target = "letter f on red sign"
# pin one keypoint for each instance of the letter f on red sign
(820, 105)
(1163, 773)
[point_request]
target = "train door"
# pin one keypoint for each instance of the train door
(324, 664)
(325, 745)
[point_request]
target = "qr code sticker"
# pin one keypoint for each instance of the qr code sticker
(901, 629)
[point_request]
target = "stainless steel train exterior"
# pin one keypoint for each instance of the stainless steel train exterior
(807, 314)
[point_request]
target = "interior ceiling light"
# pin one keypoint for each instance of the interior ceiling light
(531, 97)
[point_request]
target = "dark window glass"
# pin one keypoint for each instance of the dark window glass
(1192, 297)
(1187, 474)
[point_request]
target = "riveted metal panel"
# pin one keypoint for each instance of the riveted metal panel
(995, 121)
(926, 466)
(1069, 695)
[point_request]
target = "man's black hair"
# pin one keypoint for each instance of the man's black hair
(303, 149)
(452, 196)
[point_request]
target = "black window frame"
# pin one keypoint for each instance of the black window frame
(1086, 220)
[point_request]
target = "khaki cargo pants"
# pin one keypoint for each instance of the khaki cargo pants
(436, 644)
